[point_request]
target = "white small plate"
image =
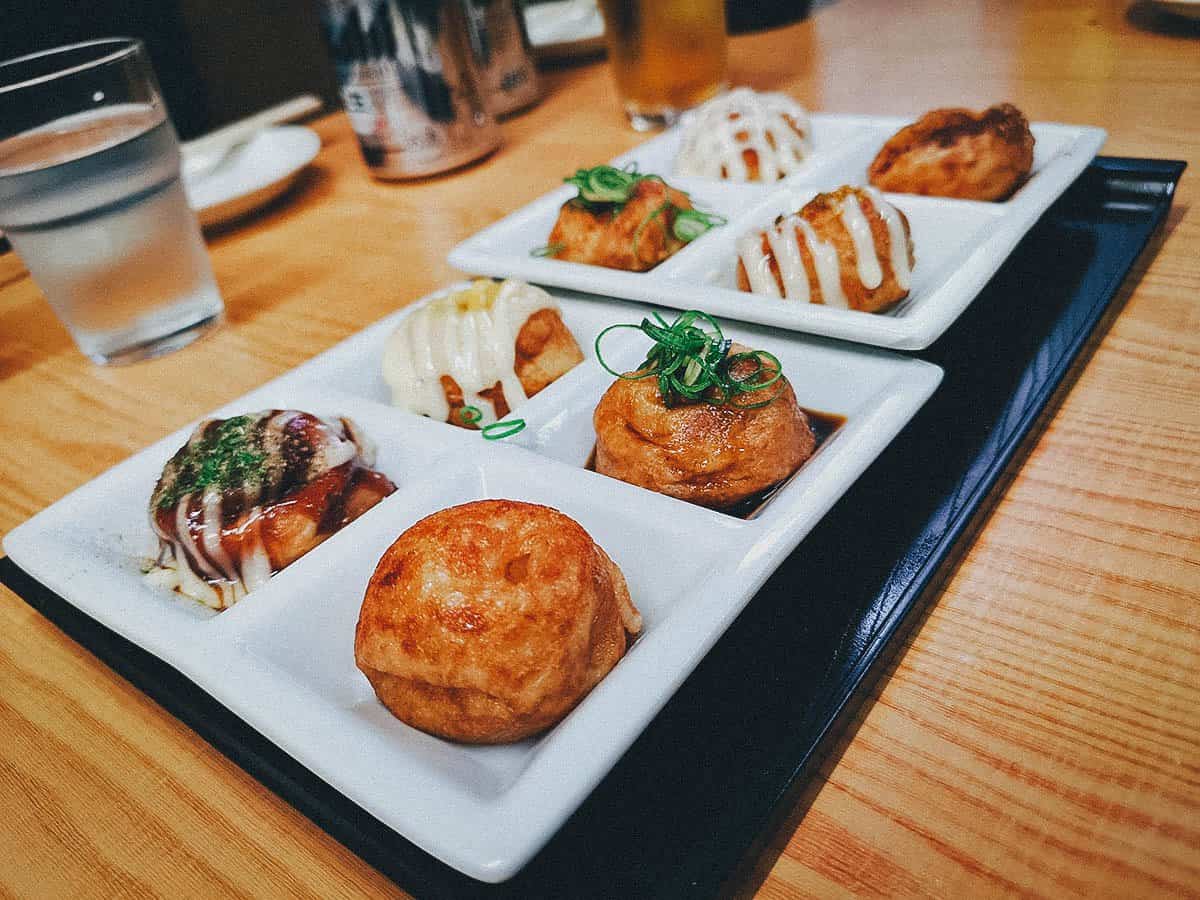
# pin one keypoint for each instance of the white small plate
(253, 175)
(283, 658)
(564, 28)
(959, 244)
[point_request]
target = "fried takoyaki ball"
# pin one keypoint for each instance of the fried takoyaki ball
(635, 237)
(958, 153)
(247, 496)
(489, 346)
(488, 622)
(714, 456)
(849, 248)
(745, 136)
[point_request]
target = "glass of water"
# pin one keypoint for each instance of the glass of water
(92, 201)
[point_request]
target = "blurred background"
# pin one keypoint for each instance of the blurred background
(218, 61)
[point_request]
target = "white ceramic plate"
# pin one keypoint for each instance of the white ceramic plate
(564, 28)
(253, 175)
(959, 244)
(283, 659)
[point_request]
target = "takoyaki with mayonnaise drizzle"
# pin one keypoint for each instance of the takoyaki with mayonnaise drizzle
(745, 136)
(249, 495)
(848, 249)
(468, 358)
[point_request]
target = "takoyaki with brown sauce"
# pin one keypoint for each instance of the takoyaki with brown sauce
(249, 495)
(741, 435)
(848, 249)
(958, 153)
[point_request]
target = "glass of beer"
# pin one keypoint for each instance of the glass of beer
(667, 56)
(92, 201)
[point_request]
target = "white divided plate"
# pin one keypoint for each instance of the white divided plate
(958, 244)
(283, 658)
(253, 175)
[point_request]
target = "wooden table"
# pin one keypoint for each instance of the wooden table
(1039, 735)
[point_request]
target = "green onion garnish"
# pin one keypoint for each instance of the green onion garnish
(691, 223)
(607, 184)
(498, 431)
(548, 250)
(691, 362)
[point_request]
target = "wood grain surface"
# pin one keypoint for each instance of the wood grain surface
(1040, 734)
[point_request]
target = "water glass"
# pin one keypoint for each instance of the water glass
(91, 199)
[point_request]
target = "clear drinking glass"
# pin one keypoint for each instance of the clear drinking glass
(91, 199)
(667, 56)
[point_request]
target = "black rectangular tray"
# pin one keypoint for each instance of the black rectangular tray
(727, 758)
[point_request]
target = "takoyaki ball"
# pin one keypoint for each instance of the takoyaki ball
(488, 622)
(634, 236)
(712, 455)
(745, 136)
(958, 153)
(247, 496)
(490, 346)
(849, 249)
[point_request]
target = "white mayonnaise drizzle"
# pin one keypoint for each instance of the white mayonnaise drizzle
(202, 569)
(783, 239)
(897, 237)
(866, 258)
(713, 141)
(476, 347)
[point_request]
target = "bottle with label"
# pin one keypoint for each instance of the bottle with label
(502, 53)
(409, 84)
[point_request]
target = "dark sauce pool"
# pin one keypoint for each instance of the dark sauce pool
(823, 424)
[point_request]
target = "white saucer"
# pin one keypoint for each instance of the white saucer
(252, 175)
(565, 28)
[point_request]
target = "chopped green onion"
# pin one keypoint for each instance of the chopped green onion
(605, 184)
(548, 250)
(691, 223)
(690, 361)
(498, 431)
(470, 415)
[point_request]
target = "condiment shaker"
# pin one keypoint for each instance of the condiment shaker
(409, 84)
(500, 45)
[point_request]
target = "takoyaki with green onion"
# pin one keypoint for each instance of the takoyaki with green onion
(623, 219)
(701, 419)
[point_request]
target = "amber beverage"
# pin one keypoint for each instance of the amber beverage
(667, 56)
